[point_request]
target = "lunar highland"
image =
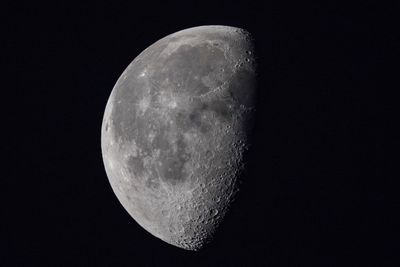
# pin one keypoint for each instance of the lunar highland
(175, 130)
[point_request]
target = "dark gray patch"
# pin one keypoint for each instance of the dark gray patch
(198, 122)
(241, 88)
(193, 118)
(139, 171)
(161, 140)
(220, 108)
(135, 166)
(186, 120)
(181, 120)
(172, 163)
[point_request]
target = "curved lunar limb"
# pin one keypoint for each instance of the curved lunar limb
(175, 129)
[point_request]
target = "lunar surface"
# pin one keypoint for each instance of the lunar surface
(176, 128)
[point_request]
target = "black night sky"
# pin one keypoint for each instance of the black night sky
(320, 188)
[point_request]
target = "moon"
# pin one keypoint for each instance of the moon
(175, 130)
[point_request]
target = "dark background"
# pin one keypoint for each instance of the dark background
(320, 188)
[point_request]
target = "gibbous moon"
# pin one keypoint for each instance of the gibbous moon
(175, 130)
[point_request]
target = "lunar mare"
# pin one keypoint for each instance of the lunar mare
(175, 130)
